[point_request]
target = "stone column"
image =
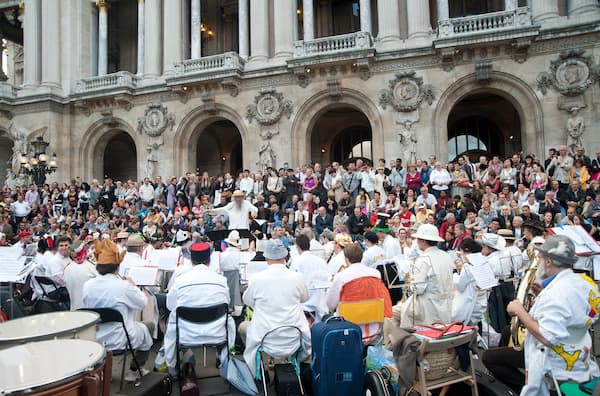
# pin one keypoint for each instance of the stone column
(259, 15)
(419, 26)
(296, 28)
(308, 20)
(140, 38)
(153, 39)
(244, 33)
(102, 37)
(3, 76)
(32, 48)
(172, 36)
(196, 34)
(584, 7)
(365, 16)
(443, 10)
(510, 5)
(285, 16)
(543, 10)
(388, 14)
(51, 47)
(227, 33)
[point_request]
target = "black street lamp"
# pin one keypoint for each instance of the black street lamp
(39, 165)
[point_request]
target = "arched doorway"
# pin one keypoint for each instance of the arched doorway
(6, 150)
(483, 123)
(339, 134)
(219, 148)
(120, 157)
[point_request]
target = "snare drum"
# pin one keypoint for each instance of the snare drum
(76, 324)
(66, 367)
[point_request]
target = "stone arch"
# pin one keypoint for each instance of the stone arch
(97, 137)
(193, 124)
(505, 85)
(310, 111)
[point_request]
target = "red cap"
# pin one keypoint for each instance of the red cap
(200, 252)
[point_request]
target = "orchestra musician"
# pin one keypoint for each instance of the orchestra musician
(557, 339)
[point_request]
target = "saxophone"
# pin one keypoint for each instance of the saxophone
(517, 330)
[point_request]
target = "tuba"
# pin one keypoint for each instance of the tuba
(517, 330)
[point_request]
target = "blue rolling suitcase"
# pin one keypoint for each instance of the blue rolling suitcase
(337, 358)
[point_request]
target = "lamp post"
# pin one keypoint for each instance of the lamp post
(39, 165)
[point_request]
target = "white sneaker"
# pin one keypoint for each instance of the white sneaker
(132, 376)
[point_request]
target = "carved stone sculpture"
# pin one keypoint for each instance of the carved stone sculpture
(156, 120)
(408, 141)
(571, 74)
(406, 92)
(575, 128)
(268, 107)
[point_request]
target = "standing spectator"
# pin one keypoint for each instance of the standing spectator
(561, 166)
(440, 179)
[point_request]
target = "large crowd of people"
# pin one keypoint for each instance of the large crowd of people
(328, 234)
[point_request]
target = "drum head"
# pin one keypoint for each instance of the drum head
(44, 326)
(37, 364)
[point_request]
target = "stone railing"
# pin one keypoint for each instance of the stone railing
(333, 44)
(7, 90)
(119, 80)
(484, 23)
(209, 64)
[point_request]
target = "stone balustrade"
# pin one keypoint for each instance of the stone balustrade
(120, 80)
(209, 64)
(484, 23)
(333, 45)
(7, 90)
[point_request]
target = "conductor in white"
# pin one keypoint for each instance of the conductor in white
(238, 211)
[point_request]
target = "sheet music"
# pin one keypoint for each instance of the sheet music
(144, 276)
(481, 271)
(583, 241)
(165, 259)
(11, 264)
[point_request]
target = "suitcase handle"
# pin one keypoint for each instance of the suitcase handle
(337, 318)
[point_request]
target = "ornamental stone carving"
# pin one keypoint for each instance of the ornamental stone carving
(268, 107)
(571, 74)
(406, 93)
(156, 120)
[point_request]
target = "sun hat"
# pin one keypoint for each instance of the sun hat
(494, 241)
(428, 232)
(233, 238)
(343, 240)
(107, 253)
(275, 250)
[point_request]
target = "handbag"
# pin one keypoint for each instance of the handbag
(238, 374)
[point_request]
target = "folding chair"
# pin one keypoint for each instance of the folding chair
(365, 313)
(430, 350)
(293, 357)
(200, 316)
(111, 315)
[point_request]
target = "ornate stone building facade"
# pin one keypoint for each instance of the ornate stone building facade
(129, 88)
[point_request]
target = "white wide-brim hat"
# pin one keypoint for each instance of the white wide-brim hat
(233, 238)
(428, 232)
(494, 241)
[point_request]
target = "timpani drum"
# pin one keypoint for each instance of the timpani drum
(62, 325)
(55, 367)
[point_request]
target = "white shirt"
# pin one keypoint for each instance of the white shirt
(230, 259)
(75, 276)
(197, 287)
(439, 176)
(367, 180)
(316, 275)
(147, 192)
(109, 291)
(20, 209)
(336, 262)
(131, 260)
(373, 256)
(246, 185)
(430, 201)
(238, 216)
(351, 273)
(391, 247)
(276, 296)
(563, 311)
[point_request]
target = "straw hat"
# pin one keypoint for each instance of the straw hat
(238, 193)
(135, 241)
(428, 232)
(343, 240)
